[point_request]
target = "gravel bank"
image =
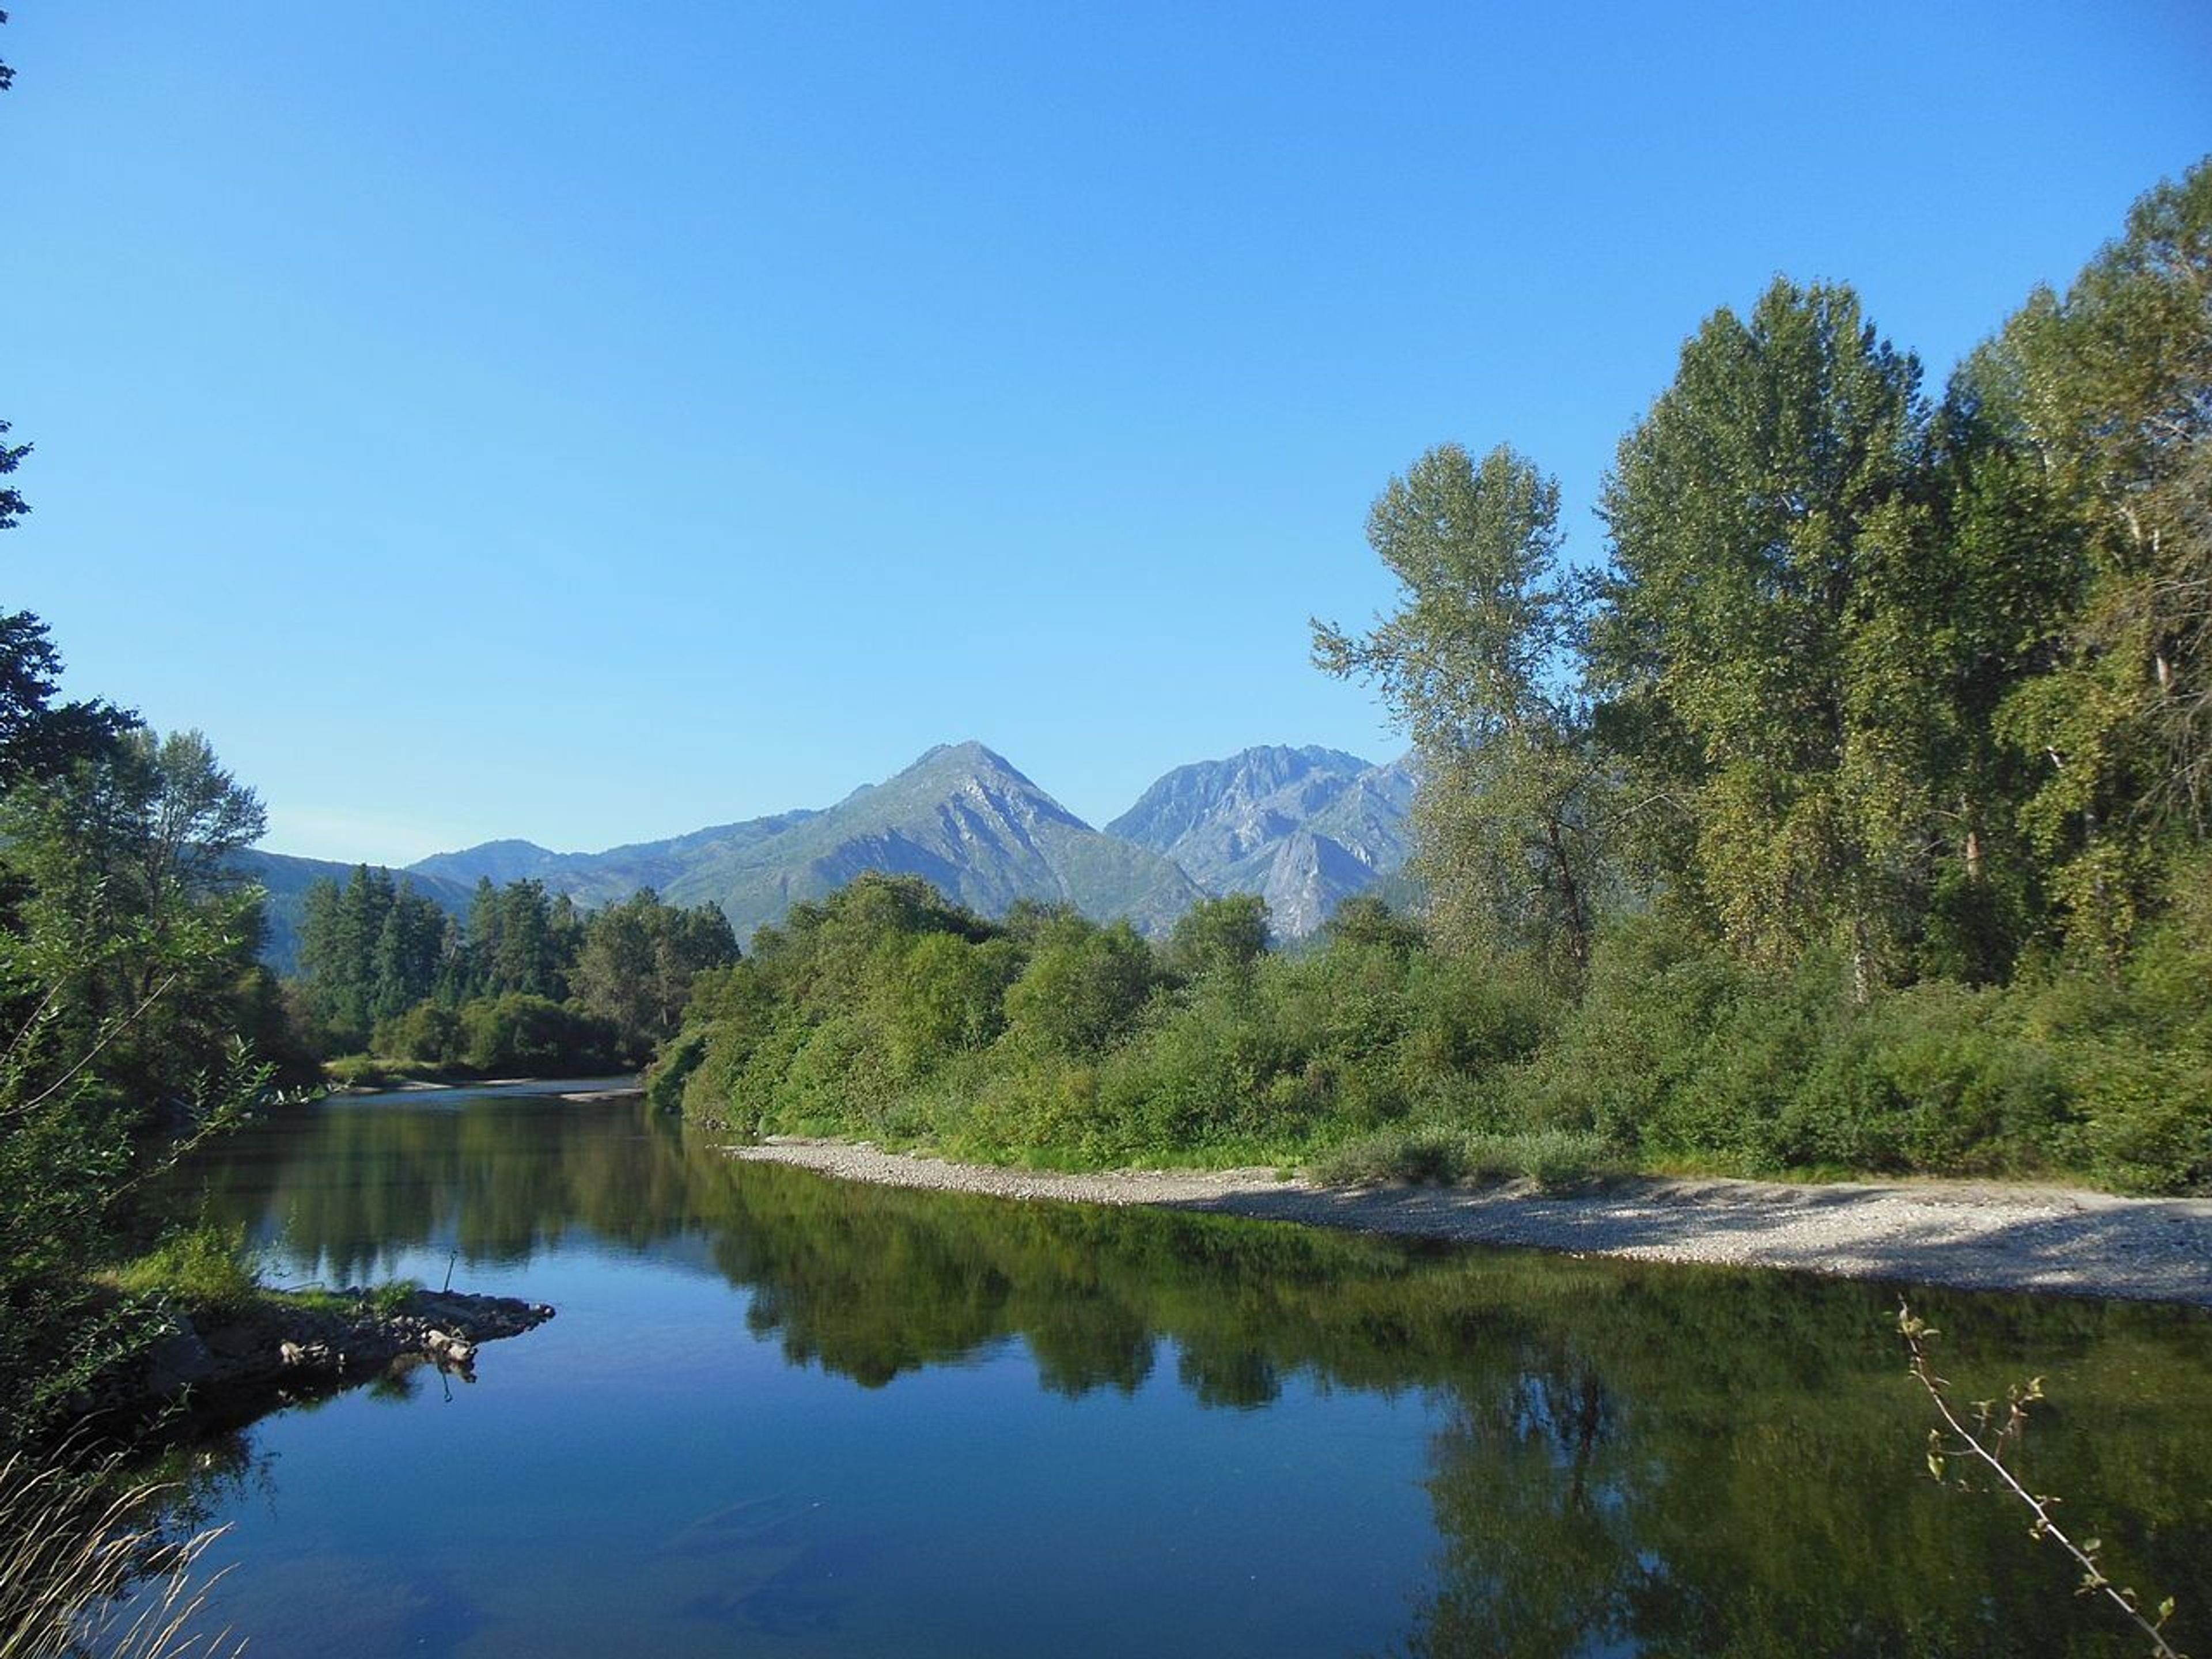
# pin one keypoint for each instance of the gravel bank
(2046, 1239)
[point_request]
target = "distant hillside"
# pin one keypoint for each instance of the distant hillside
(286, 881)
(960, 815)
(596, 878)
(1303, 827)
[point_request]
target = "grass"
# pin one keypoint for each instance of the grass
(72, 1544)
(204, 1272)
(207, 1274)
(385, 1300)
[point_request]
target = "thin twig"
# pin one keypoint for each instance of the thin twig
(1916, 1334)
(115, 1030)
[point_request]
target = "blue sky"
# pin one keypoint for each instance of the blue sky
(592, 422)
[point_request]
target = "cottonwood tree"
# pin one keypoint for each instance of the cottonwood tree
(1225, 935)
(1480, 663)
(638, 959)
(129, 853)
(2107, 391)
(1764, 646)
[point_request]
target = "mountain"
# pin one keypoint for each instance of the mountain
(596, 878)
(1303, 827)
(960, 815)
(286, 879)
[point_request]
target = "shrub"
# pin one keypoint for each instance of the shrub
(1030, 1102)
(1554, 1159)
(534, 1037)
(2148, 1120)
(429, 1031)
(1202, 1074)
(205, 1271)
(1934, 1077)
(1082, 991)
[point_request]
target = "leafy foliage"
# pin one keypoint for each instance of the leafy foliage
(121, 960)
(1763, 639)
(384, 966)
(1477, 662)
(126, 982)
(1852, 820)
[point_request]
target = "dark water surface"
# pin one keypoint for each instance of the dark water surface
(778, 1415)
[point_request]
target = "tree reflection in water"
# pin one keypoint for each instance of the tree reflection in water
(1634, 1459)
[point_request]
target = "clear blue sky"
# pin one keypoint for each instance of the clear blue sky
(591, 422)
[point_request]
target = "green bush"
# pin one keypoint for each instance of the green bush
(885, 1012)
(1202, 1075)
(429, 1031)
(205, 1271)
(1934, 1077)
(1436, 1154)
(1682, 1053)
(1082, 990)
(533, 1036)
(1429, 1154)
(2148, 1120)
(839, 1081)
(1030, 1106)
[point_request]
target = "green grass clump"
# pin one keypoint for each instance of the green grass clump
(383, 1300)
(206, 1271)
(393, 1296)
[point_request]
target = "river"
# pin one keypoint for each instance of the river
(780, 1415)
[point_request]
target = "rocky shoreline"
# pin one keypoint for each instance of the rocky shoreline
(1967, 1236)
(289, 1347)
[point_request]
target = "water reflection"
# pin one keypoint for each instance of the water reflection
(1620, 1460)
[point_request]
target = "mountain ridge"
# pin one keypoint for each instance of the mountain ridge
(1304, 827)
(960, 815)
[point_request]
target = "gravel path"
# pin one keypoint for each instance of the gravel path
(1972, 1236)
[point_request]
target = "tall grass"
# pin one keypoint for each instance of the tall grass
(72, 1544)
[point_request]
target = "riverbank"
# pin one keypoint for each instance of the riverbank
(579, 1090)
(288, 1347)
(1967, 1236)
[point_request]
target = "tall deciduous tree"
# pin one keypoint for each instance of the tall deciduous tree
(1765, 643)
(1225, 935)
(2108, 389)
(638, 958)
(2011, 554)
(128, 854)
(1480, 662)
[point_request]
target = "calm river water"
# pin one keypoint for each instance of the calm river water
(776, 1415)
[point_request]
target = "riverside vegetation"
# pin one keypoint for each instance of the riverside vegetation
(1589, 1455)
(1852, 816)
